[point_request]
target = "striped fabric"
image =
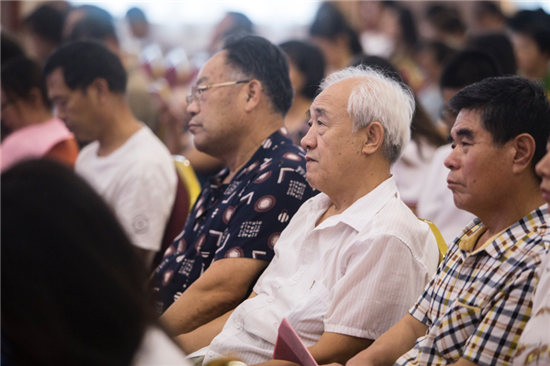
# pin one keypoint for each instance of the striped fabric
(356, 274)
(477, 304)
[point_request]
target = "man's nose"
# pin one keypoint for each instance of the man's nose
(193, 107)
(451, 161)
(308, 141)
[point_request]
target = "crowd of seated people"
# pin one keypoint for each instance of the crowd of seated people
(330, 198)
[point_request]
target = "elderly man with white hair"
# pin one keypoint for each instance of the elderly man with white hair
(354, 258)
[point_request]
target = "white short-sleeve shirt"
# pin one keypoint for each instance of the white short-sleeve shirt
(138, 180)
(356, 273)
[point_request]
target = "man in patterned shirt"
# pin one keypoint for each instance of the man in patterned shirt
(237, 105)
(476, 306)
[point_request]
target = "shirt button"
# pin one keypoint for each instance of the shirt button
(238, 326)
(296, 277)
(270, 299)
(210, 353)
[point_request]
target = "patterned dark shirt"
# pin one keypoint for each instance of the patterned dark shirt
(478, 302)
(241, 219)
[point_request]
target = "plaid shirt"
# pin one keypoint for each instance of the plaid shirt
(478, 302)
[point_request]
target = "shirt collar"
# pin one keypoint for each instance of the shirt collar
(533, 224)
(261, 159)
(361, 211)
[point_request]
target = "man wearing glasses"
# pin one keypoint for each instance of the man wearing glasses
(237, 105)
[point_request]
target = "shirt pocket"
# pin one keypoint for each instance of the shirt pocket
(454, 328)
(307, 317)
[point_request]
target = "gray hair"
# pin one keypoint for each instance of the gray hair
(379, 98)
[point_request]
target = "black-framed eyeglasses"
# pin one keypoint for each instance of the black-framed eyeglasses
(196, 91)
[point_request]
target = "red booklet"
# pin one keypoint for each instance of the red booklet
(289, 347)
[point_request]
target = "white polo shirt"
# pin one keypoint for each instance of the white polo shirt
(357, 273)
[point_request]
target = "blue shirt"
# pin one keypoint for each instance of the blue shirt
(241, 219)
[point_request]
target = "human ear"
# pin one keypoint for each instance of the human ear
(524, 149)
(99, 88)
(253, 94)
(374, 138)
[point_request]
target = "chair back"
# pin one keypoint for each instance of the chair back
(187, 191)
(441, 245)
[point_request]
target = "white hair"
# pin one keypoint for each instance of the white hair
(379, 98)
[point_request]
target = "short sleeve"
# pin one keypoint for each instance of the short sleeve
(381, 282)
(264, 209)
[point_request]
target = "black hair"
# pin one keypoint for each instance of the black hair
(406, 22)
(20, 75)
(310, 61)
(96, 23)
(136, 15)
(84, 61)
(442, 53)
(535, 24)
(509, 106)
(259, 59)
(241, 26)
(47, 21)
(73, 288)
(485, 8)
(468, 67)
(445, 18)
(329, 23)
(9, 47)
(497, 45)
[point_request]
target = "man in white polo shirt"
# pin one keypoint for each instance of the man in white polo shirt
(353, 258)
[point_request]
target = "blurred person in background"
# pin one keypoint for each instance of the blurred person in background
(436, 200)
(399, 24)
(233, 25)
(91, 22)
(123, 160)
(531, 39)
(27, 112)
(9, 48)
(336, 38)
(499, 47)
(487, 17)
(431, 58)
(306, 65)
(444, 23)
(140, 36)
(139, 25)
(72, 287)
(45, 27)
(374, 41)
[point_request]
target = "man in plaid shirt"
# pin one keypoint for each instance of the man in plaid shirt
(476, 306)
